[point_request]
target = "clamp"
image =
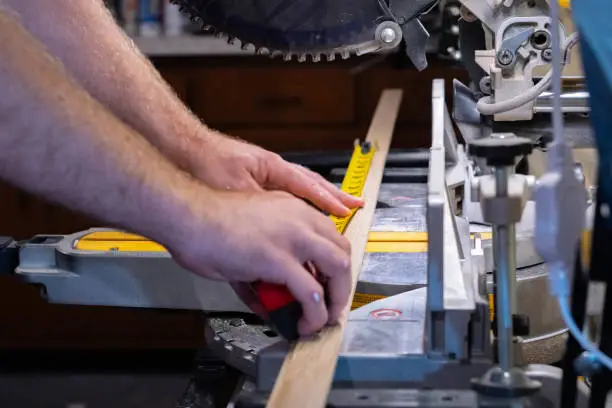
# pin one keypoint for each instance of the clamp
(502, 196)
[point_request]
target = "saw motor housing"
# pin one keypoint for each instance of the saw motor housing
(504, 44)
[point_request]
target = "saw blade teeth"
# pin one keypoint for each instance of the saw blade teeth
(248, 47)
(195, 10)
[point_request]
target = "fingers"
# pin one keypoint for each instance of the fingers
(334, 263)
(309, 293)
(345, 198)
(339, 290)
(327, 228)
(293, 179)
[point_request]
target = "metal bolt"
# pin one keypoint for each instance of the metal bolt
(388, 35)
(547, 55)
(485, 85)
(505, 57)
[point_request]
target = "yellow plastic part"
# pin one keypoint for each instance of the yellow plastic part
(362, 299)
(396, 246)
(118, 241)
(119, 246)
(392, 236)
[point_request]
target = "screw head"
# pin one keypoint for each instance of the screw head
(485, 85)
(505, 57)
(388, 35)
(547, 55)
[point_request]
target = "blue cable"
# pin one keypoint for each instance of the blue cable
(557, 274)
(587, 345)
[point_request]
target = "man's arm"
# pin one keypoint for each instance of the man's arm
(58, 142)
(85, 37)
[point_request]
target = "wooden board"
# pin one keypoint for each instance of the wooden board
(306, 376)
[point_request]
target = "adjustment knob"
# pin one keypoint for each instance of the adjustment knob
(500, 149)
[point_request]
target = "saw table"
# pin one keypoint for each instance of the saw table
(113, 268)
(452, 307)
(391, 339)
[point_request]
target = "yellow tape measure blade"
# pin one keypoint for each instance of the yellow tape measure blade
(355, 178)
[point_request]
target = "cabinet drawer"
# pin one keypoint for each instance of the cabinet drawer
(273, 96)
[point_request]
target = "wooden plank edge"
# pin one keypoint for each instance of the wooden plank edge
(306, 375)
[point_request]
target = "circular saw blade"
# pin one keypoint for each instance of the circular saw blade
(291, 27)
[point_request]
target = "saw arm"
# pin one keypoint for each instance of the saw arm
(316, 29)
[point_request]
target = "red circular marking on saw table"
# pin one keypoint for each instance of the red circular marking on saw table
(385, 313)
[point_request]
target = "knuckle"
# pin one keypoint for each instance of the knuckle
(329, 224)
(346, 244)
(273, 158)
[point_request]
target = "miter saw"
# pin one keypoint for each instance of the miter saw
(504, 43)
(419, 334)
(317, 29)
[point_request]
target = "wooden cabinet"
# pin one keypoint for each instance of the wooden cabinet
(280, 106)
(295, 106)
(236, 96)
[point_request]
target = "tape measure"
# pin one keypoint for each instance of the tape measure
(354, 179)
(284, 311)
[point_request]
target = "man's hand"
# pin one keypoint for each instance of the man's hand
(269, 236)
(225, 163)
(79, 155)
